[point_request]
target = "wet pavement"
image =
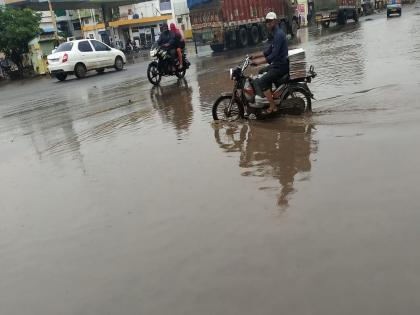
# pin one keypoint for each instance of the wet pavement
(120, 198)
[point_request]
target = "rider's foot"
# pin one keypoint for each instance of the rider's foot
(271, 110)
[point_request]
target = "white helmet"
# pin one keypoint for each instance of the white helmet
(271, 16)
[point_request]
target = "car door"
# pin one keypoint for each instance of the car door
(88, 55)
(105, 56)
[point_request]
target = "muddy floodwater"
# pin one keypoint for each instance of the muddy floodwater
(120, 198)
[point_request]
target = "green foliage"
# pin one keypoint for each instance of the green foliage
(17, 29)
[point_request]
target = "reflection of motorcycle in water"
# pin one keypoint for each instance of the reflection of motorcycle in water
(291, 96)
(174, 104)
(280, 153)
(165, 65)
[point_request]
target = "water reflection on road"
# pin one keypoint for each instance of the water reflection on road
(280, 150)
(123, 198)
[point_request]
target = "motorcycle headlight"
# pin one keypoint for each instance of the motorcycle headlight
(231, 74)
(153, 52)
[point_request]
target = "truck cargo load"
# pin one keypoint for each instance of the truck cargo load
(237, 23)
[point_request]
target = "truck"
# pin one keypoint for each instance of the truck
(339, 11)
(226, 24)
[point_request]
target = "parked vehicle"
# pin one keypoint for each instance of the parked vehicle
(339, 11)
(8, 69)
(393, 7)
(291, 95)
(164, 65)
(80, 56)
(237, 23)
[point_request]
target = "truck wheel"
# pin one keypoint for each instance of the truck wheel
(295, 27)
(283, 26)
(342, 18)
(355, 16)
(263, 32)
(242, 39)
(217, 47)
(254, 35)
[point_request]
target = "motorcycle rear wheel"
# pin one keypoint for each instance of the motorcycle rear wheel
(153, 73)
(221, 106)
(301, 93)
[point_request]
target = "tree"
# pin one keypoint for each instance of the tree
(17, 29)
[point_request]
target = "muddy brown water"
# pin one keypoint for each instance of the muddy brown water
(119, 198)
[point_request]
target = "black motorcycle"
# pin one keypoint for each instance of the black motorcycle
(165, 65)
(292, 96)
(9, 70)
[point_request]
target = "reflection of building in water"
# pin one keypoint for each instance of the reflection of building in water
(174, 105)
(279, 151)
(46, 133)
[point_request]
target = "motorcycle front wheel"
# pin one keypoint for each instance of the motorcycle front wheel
(221, 110)
(153, 73)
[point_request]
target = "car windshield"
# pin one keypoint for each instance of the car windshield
(64, 47)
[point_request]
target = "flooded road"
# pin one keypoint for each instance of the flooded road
(120, 198)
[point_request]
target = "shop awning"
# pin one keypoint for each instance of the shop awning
(98, 26)
(148, 20)
(42, 5)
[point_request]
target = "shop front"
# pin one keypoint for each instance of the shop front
(144, 31)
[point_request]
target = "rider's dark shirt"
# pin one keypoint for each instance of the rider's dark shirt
(277, 53)
(167, 37)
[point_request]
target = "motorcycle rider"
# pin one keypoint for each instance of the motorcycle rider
(179, 43)
(276, 56)
(167, 41)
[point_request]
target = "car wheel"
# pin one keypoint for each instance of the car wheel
(100, 70)
(119, 64)
(61, 76)
(80, 71)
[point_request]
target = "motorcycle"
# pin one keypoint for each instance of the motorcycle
(164, 65)
(291, 96)
(8, 69)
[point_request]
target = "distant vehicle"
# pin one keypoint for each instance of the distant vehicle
(80, 56)
(238, 23)
(339, 11)
(393, 8)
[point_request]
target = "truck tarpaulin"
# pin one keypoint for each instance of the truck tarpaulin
(194, 3)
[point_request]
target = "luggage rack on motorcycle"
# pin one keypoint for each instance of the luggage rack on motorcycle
(311, 74)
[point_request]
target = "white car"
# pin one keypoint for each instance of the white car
(80, 56)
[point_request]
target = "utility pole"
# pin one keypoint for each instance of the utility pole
(80, 22)
(53, 20)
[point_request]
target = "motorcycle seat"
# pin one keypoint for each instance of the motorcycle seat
(282, 80)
